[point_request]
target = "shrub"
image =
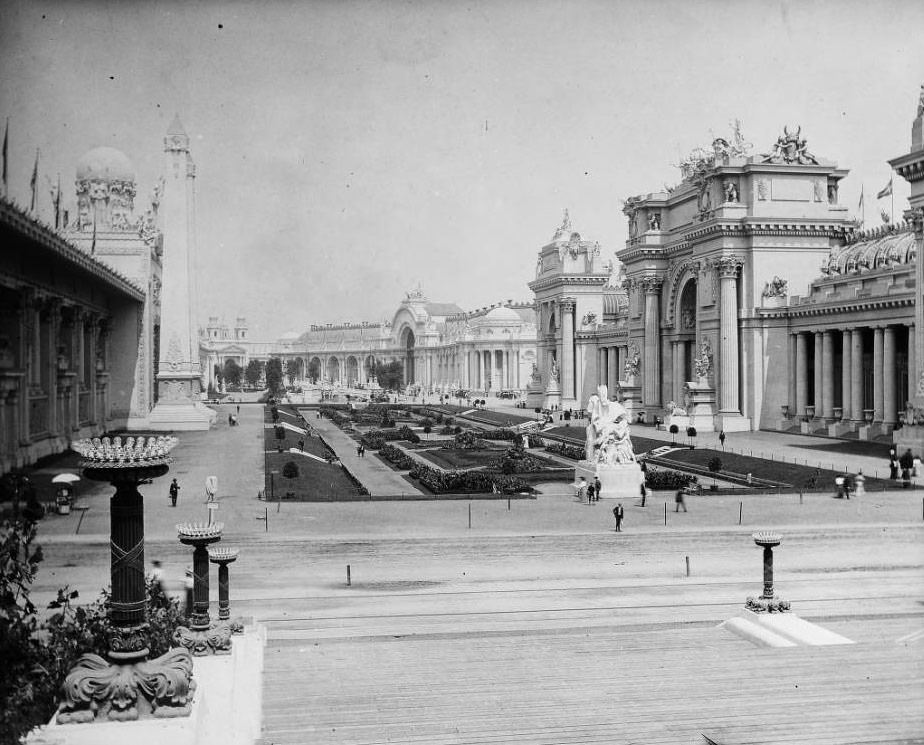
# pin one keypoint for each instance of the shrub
(668, 480)
(574, 452)
(408, 434)
(499, 434)
(467, 441)
(290, 470)
(397, 456)
(517, 460)
(441, 482)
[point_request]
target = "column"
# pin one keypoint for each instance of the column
(819, 373)
(567, 350)
(827, 390)
(877, 375)
(846, 373)
(466, 370)
(856, 375)
(912, 382)
(682, 364)
(651, 358)
(480, 385)
(801, 374)
(675, 370)
(505, 381)
(889, 397)
(728, 268)
(792, 378)
(516, 368)
(612, 369)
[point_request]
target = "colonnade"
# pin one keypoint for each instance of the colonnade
(492, 369)
(858, 374)
(611, 361)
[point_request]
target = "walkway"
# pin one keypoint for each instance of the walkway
(379, 479)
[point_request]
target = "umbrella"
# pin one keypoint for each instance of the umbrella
(65, 478)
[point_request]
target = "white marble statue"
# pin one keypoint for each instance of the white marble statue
(608, 440)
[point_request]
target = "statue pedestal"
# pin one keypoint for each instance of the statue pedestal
(909, 437)
(621, 481)
(535, 395)
(631, 394)
(552, 398)
(699, 396)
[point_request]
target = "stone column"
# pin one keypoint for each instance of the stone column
(612, 369)
(856, 375)
(801, 375)
(827, 390)
(728, 268)
(911, 358)
(651, 357)
(505, 370)
(877, 375)
(567, 351)
(889, 397)
(846, 373)
(819, 373)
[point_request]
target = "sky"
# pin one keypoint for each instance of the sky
(348, 151)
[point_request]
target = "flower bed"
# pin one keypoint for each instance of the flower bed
(668, 480)
(397, 457)
(574, 452)
(440, 482)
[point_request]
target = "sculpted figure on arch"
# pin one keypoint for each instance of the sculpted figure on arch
(608, 440)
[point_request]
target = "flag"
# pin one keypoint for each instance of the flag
(860, 205)
(33, 182)
(58, 204)
(885, 191)
(6, 140)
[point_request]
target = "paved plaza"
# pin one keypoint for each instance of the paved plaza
(539, 624)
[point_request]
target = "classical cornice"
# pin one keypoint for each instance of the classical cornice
(28, 227)
(909, 166)
(840, 307)
(583, 280)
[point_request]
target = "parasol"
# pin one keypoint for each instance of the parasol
(65, 478)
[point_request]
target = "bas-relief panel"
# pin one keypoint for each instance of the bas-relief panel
(790, 190)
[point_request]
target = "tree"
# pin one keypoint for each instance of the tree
(290, 470)
(233, 373)
(314, 369)
(253, 372)
(274, 376)
(715, 465)
(291, 371)
(691, 433)
(674, 429)
(219, 375)
(389, 374)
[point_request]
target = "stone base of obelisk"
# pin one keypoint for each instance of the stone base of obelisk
(909, 437)
(179, 407)
(620, 481)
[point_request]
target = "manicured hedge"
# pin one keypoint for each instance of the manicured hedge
(668, 480)
(442, 482)
(397, 456)
(573, 452)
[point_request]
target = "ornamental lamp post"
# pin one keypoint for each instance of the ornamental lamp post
(128, 686)
(768, 540)
(202, 637)
(224, 556)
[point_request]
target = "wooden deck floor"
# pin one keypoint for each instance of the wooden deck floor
(666, 684)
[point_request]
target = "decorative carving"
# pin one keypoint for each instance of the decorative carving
(776, 287)
(731, 190)
(216, 639)
(921, 102)
(654, 221)
(553, 372)
(128, 641)
(539, 266)
(98, 690)
(702, 365)
(174, 352)
(608, 440)
(704, 200)
(790, 148)
(763, 189)
(819, 190)
(630, 210)
(832, 191)
(564, 229)
(729, 266)
(633, 362)
(651, 285)
(174, 391)
(589, 319)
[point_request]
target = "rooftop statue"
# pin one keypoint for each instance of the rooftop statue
(608, 440)
(790, 148)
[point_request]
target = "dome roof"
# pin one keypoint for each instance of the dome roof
(105, 164)
(879, 248)
(504, 315)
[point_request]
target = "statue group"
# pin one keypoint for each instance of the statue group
(608, 440)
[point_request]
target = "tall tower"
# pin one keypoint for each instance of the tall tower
(179, 377)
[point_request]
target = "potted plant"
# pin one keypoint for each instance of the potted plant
(691, 433)
(673, 429)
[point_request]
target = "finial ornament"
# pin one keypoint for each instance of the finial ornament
(921, 102)
(790, 148)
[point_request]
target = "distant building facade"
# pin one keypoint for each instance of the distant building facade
(746, 299)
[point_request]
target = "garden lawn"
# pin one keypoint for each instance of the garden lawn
(799, 477)
(457, 458)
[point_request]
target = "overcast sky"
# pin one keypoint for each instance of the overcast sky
(348, 150)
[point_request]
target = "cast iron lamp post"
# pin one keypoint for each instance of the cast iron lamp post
(224, 556)
(202, 637)
(128, 686)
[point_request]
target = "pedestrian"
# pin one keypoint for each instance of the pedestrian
(362, 450)
(618, 513)
(230, 420)
(301, 445)
(893, 468)
(722, 438)
(643, 490)
(679, 499)
(580, 489)
(860, 481)
(157, 577)
(174, 492)
(598, 488)
(590, 493)
(907, 463)
(848, 485)
(238, 408)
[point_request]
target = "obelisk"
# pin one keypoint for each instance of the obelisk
(179, 377)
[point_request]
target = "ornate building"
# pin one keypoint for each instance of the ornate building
(440, 346)
(71, 332)
(747, 299)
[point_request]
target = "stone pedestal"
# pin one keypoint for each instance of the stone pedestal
(621, 481)
(631, 394)
(699, 397)
(909, 437)
(552, 398)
